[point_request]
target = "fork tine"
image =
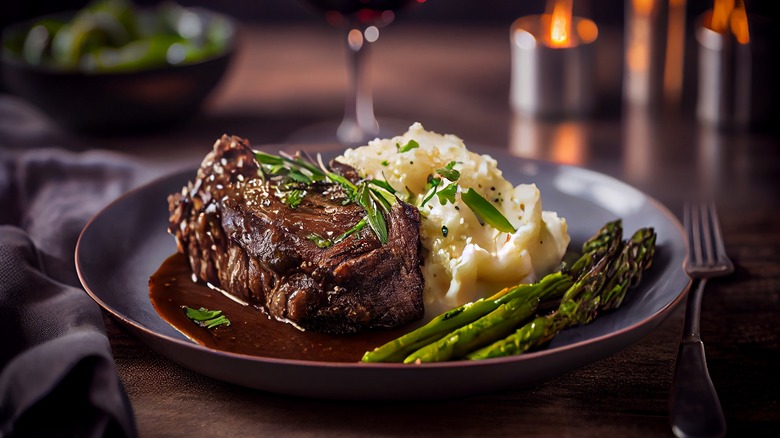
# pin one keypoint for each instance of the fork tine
(708, 212)
(691, 225)
(720, 247)
(706, 251)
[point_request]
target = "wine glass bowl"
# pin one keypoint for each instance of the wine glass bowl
(360, 21)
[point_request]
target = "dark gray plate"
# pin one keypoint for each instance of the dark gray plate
(126, 242)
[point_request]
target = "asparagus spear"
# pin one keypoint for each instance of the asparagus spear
(398, 349)
(582, 302)
(495, 325)
(594, 248)
(634, 260)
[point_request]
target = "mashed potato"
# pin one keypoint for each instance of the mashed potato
(472, 260)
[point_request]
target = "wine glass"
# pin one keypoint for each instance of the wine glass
(360, 20)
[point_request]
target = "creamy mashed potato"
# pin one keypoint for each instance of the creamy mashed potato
(472, 260)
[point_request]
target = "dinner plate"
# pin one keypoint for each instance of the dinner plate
(126, 242)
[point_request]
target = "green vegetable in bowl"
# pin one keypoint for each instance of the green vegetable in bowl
(114, 35)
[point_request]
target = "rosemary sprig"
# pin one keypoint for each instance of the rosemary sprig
(295, 168)
(368, 199)
(323, 242)
(374, 196)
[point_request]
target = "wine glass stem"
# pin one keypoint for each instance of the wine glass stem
(359, 124)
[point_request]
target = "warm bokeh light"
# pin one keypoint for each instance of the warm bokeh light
(643, 7)
(562, 142)
(355, 39)
(730, 16)
(568, 144)
(738, 23)
(675, 51)
(587, 31)
(721, 10)
(560, 23)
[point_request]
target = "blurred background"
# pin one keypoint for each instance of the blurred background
(492, 18)
(498, 12)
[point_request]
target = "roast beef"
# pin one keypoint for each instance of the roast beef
(241, 236)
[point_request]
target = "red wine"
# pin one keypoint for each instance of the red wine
(362, 12)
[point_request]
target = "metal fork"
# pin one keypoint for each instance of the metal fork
(695, 409)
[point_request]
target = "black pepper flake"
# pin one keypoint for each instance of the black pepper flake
(493, 189)
(444, 230)
(457, 208)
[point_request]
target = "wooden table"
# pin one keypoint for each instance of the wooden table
(456, 80)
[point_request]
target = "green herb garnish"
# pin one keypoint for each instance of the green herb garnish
(206, 318)
(447, 194)
(369, 200)
(294, 197)
(383, 184)
(295, 168)
(323, 242)
(434, 181)
(486, 212)
(320, 241)
(375, 196)
(411, 144)
(448, 172)
(430, 189)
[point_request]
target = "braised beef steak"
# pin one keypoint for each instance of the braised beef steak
(241, 236)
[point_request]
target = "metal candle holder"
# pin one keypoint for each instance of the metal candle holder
(725, 78)
(551, 81)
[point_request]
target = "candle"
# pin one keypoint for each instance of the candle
(645, 51)
(553, 63)
(728, 69)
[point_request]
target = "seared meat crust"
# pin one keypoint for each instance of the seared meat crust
(239, 235)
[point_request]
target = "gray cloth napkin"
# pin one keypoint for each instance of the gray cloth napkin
(57, 373)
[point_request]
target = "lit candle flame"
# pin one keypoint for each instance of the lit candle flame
(738, 22)
(560, 23)
(721, 10)
(730, 16)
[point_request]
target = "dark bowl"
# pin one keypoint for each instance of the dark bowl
(118, 101)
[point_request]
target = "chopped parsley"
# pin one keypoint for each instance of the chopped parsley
(294, 197)
(411, 144)
(481, 207)
(206, 318)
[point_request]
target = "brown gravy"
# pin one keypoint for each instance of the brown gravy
(251, 331)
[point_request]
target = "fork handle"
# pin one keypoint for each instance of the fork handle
(695, 409)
